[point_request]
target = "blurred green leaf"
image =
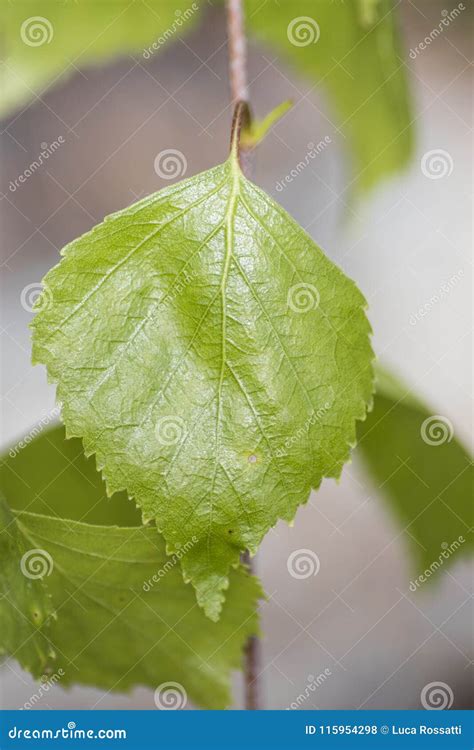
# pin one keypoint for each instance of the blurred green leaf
(423, 470)
(350, 49)
(45, 40)
(96, 613)
(56, 463)
(26, 611)
(368, 10)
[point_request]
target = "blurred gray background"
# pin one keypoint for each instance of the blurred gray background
(356, 618)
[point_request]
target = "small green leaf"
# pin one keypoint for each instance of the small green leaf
(213, 358)
(103, 605)
(352, 50)
(258, 129)
(45, 40)
(422, 469)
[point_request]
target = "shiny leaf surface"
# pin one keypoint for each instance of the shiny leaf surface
(101, 604)
(213, 359)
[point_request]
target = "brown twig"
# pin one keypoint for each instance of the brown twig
(252, 660)
(237, 51)
(239, 93)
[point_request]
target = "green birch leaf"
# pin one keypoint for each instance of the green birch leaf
(26, 610)
(46, 40)
(352, 51)
(424, 472)
(213, 359)
(103, 605)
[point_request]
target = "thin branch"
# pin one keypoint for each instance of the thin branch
(238, 77)
(252, 659)
(242, 119)
(237, 51)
